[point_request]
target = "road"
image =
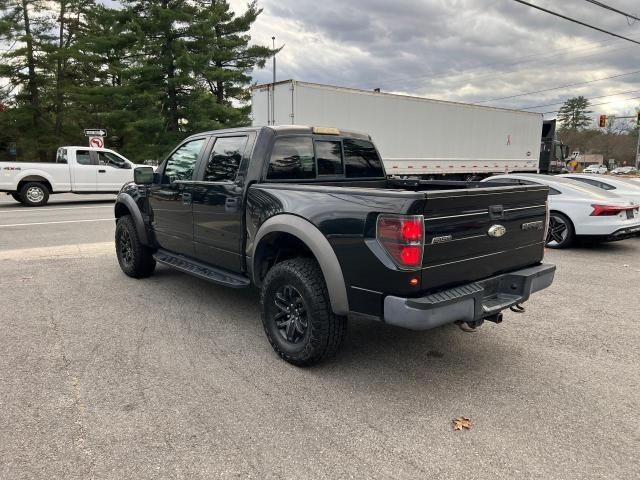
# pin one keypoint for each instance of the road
(104, 376)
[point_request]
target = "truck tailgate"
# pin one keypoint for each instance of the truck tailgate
(475, 233)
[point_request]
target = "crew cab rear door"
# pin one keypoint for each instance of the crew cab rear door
(475, 233)
(218, 195)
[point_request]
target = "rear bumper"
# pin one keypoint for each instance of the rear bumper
(624, 233)
(468, 303)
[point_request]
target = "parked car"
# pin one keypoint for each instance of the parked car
(620, 186)
(580, 210)
(599, 169)
(82, 170)
(309, 216)
(624, 171)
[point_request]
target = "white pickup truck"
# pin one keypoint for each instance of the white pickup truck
(82, 170)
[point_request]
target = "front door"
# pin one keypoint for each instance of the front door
(217, 203)
(170, 198)
(113, 171)
(85, 172)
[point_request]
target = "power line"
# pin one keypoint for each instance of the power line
(592, 98)
(608, 7)
(576, 21)
(524, 94)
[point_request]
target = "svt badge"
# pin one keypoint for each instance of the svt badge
(497, 231)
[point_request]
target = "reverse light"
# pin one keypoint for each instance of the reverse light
(402, 236)
(608, 210)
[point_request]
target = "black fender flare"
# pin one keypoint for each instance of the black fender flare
(136, 214)
(313, 238)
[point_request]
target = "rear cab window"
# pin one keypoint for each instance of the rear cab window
(305, 157)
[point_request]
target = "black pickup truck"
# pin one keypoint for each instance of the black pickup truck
(309, 216)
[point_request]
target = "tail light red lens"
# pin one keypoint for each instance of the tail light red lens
(608, 210)
(402, 236)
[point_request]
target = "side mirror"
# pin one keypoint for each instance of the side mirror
(143, 175)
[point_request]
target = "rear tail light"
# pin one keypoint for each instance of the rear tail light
(402, 236)
(608, 210)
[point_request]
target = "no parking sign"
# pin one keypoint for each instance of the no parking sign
(96, 142)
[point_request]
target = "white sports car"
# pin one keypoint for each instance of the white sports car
(578, 209)
(622, 187)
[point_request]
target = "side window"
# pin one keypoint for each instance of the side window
(61, 156)
(606, 186)
(361, 159)
(553, 191)
(83, 157)
(588, 181)
(181, 163)
(106, 158)
(292, 158)
(225, 159)
(509, 181)
(329, 156)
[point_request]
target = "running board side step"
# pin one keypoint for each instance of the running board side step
(201, 270)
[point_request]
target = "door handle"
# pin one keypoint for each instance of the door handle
(102, 171)
(186, 198)
(231, 205)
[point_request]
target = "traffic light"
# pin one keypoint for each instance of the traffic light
(603, 121)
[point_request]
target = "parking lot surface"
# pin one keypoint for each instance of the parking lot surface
(104, 376)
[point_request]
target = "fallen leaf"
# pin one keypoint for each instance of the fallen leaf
(462, 423)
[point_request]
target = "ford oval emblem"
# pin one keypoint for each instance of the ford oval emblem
(497, 231)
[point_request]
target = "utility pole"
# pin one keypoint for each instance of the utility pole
(273, 92)
(638, 145)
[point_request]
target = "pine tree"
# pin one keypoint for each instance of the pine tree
(575, 114)
(25, 66)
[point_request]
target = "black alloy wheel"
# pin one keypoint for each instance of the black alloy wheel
(125, 248)
(290, 314)
(560, 233)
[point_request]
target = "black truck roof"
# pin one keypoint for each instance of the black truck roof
(285, 130)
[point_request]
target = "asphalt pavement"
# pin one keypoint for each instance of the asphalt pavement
(104, 376)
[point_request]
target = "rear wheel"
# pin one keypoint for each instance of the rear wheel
(561, 233)
(17, 197)
(34, 194)
(297, 315)
(135, 259)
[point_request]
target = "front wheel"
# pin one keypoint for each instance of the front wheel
(34, 194)
(135, 259)
(297, 315)
(561, 233)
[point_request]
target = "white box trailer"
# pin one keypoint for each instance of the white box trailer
(415, 136)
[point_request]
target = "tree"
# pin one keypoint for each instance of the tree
(24, 65)
(150, 71)
(575, 114)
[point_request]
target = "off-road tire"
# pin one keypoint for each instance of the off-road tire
(325, 330)
(137, 260)
(34, 194)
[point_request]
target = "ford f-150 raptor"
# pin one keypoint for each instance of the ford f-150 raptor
(308, 215)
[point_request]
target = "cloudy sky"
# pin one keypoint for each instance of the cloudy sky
(460, 50)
